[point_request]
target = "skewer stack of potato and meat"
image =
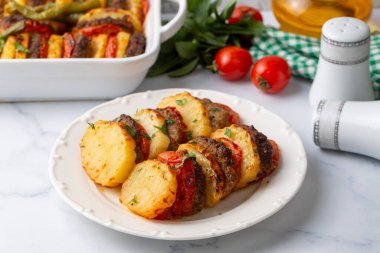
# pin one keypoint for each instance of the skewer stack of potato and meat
(72, 29)
(172, 161)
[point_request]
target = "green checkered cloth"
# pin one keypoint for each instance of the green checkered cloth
(302, 53)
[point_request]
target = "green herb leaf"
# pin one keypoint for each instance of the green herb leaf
(202, 11)
(184, 157)
(92, 125)
(181, 102)
(169, 122)
(185, 70)
(187, 49)
(227, 132)
(147, 136)
(163, 129)
(189, 136)
(227, 12)
(20, 48)
(164, 64)
(130, 130)
(133, 201)
(2, 42)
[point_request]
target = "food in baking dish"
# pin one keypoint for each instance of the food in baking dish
(72, 29)
(170, 168)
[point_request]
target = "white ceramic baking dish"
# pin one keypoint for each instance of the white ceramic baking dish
(72, 79)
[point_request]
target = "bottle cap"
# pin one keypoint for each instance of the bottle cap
(345, 41)
(326, 124)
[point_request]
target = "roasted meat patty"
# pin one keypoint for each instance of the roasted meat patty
(175, 126)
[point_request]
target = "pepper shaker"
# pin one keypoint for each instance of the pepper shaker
(343, 68)
(348, 126)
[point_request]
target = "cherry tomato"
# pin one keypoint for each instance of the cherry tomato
(233, 63)
(271, 74)
(244, 11)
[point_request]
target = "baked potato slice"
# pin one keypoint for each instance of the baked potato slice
(23, 41)
(155, 126)
(55, 46)
(194, 113)
(9, 49)
(107, 153)
(150, 189)
(250, 164)
(214, 193)
(98, 45)
(122, 44)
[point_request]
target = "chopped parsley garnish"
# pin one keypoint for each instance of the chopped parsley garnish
(163, 129)
(147, 136)
(255, 149)
(169, 122)
(184, 157)
(153, 135)
(214, 109)
(181, 102)
(194, 120)
(130, 130)
(140, 169)
(20, 48)
(92, 125)
(189, 136)
(2, 43)
(227, 132)
(133, 201)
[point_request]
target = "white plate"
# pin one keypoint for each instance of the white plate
(240, 210)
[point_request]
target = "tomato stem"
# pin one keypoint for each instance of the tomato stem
(263, 84)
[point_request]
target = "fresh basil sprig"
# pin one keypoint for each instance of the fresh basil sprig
(205, 32)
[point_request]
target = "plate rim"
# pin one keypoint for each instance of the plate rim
(59, 188)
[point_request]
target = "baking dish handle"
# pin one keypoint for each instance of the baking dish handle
(176, 23)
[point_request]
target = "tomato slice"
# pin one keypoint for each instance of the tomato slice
(145, 143)
(111, 48)
(237, 154)
(44, 47)
(34, 26)
(145, 9)
(170, 157)
(275, 151)
(186, 185)
(68, 45)
(233, 117)
(100, 29)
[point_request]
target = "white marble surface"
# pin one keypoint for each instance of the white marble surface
(336, 210)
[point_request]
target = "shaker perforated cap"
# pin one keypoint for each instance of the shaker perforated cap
(345, 41)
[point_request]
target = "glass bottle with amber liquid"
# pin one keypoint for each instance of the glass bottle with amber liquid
(307, 16)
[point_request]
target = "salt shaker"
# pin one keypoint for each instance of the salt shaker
(348, 126)
(343, 68)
